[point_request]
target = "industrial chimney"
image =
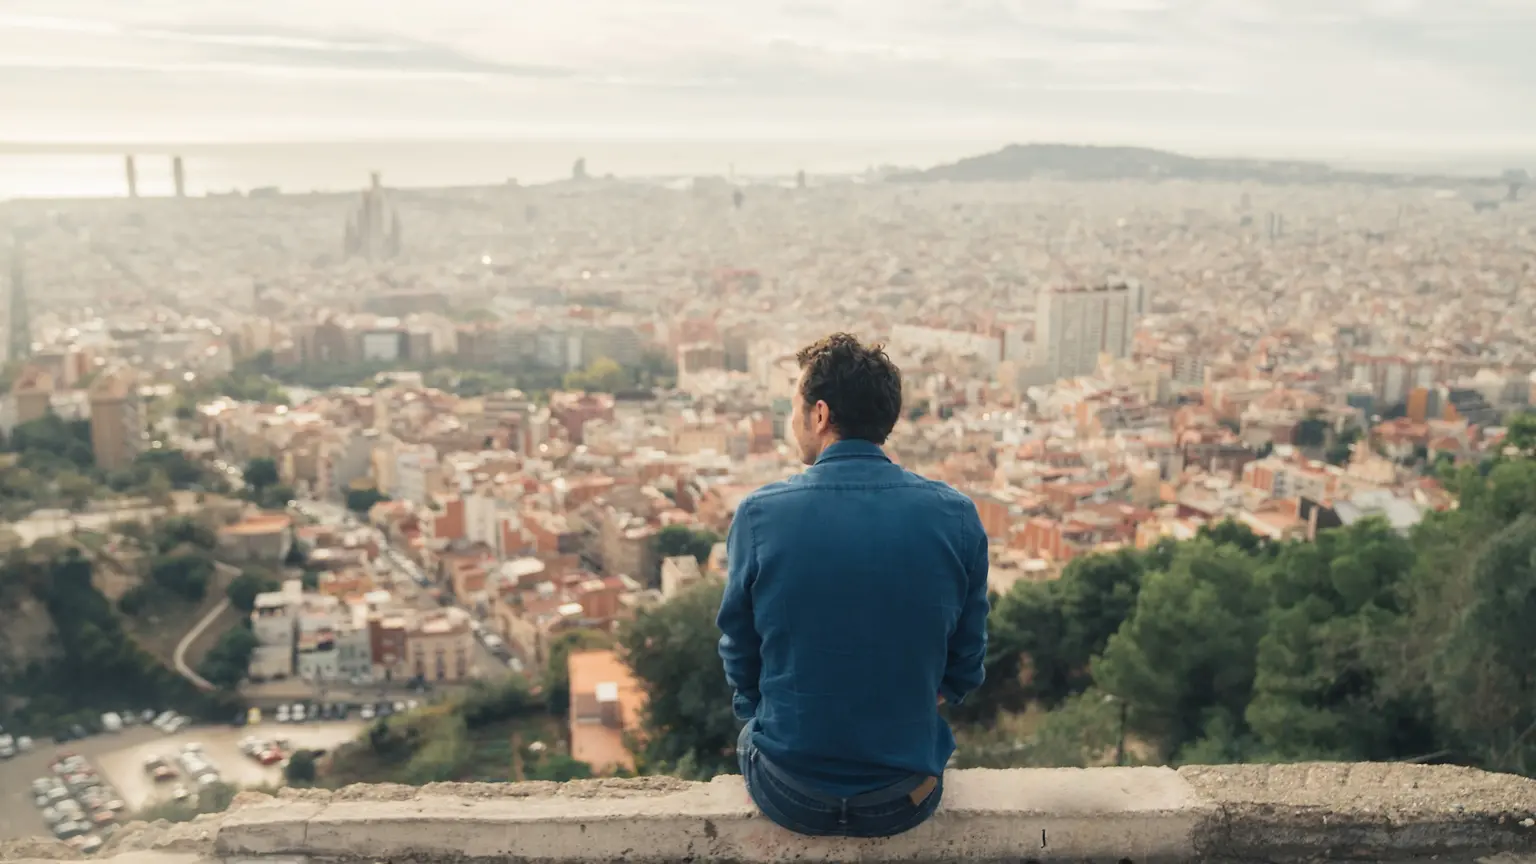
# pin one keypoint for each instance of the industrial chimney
(181, 177)
(133, 177)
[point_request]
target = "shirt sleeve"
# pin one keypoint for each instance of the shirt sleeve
(966, 667)
(740, 645)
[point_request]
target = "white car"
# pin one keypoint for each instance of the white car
(111, 722)
(367, 711)
(298, 712)
(282, 714)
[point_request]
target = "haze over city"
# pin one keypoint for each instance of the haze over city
(386, 389)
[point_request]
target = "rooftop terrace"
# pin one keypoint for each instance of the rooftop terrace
(1120, 815)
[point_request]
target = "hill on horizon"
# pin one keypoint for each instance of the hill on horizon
(1017, 162)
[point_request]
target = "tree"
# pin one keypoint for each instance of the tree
(276, 496)
(76, 489)
(1185, 658)
(261, 473)
(1042, 636)
(1484, 692)
(558, 767)
(557, 682)
(226, 663)
(184, 574)
(1335, 605)
(445, 755)
(243, 589)
(1230, 532)
(1311, 432)
(301, 768)
(1521, 434)
(362, 500)
(173, 532)
(1085, 730)
(488, 703)
(676, 540)
(1340, 450)
(179, 470)
(602, 376)
(158, 488)
(671, 649)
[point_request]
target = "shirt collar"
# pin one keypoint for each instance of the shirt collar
(852, 448)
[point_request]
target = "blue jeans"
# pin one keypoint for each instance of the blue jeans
(792, 804)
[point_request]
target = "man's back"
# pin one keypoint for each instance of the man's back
(864, 588)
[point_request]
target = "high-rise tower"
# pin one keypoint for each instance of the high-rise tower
(1073, 326)
(18, 319)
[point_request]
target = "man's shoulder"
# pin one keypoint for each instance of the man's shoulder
(945, 491)
(769, 491)
(783, 491)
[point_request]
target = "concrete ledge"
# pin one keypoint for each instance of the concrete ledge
(1110, 815)
(1364, 810)
(1146, 814)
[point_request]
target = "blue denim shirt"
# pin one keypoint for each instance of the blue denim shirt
(857, 594)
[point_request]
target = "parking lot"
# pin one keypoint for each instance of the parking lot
(120, 758)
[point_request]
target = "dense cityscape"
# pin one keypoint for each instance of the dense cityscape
(453, 467)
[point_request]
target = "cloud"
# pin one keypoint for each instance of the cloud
(1317, 69)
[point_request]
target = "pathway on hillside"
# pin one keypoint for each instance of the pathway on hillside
(180, 657)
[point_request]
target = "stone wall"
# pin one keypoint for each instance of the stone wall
(1138, 815)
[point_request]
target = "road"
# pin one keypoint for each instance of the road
(187, 640)
(483, 664)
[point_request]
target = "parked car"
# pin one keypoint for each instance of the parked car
(283, 715)
(366, 712)
(111, 722)
(66, 830)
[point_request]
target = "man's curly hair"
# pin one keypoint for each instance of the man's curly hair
(859, 383)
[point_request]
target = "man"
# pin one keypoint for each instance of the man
(855, 606)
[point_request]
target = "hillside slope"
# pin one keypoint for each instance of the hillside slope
(1017, 162)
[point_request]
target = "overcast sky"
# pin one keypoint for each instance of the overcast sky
(1278, 76)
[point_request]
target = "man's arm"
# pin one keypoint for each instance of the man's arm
(968, 645)
(740, 645)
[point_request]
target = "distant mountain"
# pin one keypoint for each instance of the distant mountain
(1081, 162)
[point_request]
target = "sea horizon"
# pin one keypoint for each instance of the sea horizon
(95, 169)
